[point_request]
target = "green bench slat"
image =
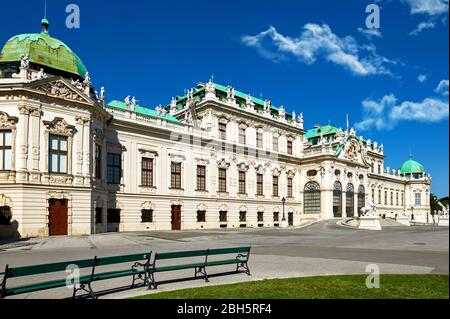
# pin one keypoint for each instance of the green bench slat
(36, 287)
(121, 259)
(179, 267)
(47, 268)
(224, 262)
(224, 251)
(181, 254)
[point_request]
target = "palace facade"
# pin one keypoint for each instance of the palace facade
(215, 157)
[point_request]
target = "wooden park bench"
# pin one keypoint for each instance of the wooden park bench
(139, 270)
(241, 258)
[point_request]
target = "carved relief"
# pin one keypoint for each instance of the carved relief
(61, 90)
(59, 127)
(7, 121)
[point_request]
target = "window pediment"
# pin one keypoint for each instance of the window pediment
(7, 121)
(59, 127)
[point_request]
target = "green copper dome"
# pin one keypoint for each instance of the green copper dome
(411, 167)
(43, 50)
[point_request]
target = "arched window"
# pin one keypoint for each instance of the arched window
(361, 198)
(311, 203)
(337, 199)
(350, 201)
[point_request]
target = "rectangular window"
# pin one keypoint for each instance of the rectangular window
(58, 154)
(176, 175)
(113, 216)
(289, 187)
(114, 168)
(392, 198)
(147, 216)
(242, 186)
(275, 146)
(289, 147)
(201, 216)
(147, 172)
(259, 139)
(275, 186)
(379, 168)
(5, 150)
(242, 135)
(201, 178)
(385, 197)
(396, 199)
(260, 216)
(418, 199)
(276, 217)
(98, 161)
(99, 215)
(223, 217)
(403, 199)
(222, 131)
(259, 184)
(222, 180)
(242, 217)
(372, 169)
(379, 196)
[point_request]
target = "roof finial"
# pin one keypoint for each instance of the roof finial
(45, 24)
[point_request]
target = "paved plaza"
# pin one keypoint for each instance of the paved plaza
(322, 248)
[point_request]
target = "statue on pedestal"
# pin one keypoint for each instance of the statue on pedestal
(369, 210)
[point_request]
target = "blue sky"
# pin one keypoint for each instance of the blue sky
(313, 57)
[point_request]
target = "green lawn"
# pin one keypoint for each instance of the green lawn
(332, 287)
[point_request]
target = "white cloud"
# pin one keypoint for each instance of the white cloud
(318, 41)
(422, 26)
(442, 88)
(386, 112)
(422, 78)
(429, 7)
(370, 33)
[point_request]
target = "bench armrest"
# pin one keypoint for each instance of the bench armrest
(242, 256)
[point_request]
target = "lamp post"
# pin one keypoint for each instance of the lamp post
(284, 223)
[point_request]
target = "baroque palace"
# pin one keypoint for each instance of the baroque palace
(72, 164)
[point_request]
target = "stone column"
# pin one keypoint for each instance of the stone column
(35, 126)
(78, 150)
(23, 131)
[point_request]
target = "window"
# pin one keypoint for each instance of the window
(222, 131)
(289, 147)
(99, 215)
(361, 198)
(275, 186)
(372, 170)
(176, 175)
(373, 195)
(259, 139)
(5, 150)
(379, 168)
(201, 216)
(58, 154)
(114, 216)
(5, 215)
(242, 217)
(350, 201)
(379, 196)
(337, 199)
(223, 217)
(276, 217)
(147, 216)
(403, 199)
(201, 178)
(289, 187)
(147, 172)
(259, 184)
(311, 202)
(98, 161)
(242, 135)
(114, 168)
(392, 198)
(396, 199)
(385, 197)
(418, 199)
(275, 145)
(242, 176)
(222, 180)
(260, 216)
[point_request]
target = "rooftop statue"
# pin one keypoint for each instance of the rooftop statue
(25, 61)
(127, 100)
(282, 112)
(87, 80)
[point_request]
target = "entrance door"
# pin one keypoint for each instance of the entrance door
(176, 217)
(291, 219)
(58, 217)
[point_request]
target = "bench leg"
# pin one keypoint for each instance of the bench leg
(201, 270)
(82, 287)
(142, 277)
(151, 281)
(244, 266)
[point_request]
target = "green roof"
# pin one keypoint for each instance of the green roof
(224, 89)
(140, 110)
(411, 167)
(323, 130)
(43, 50)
